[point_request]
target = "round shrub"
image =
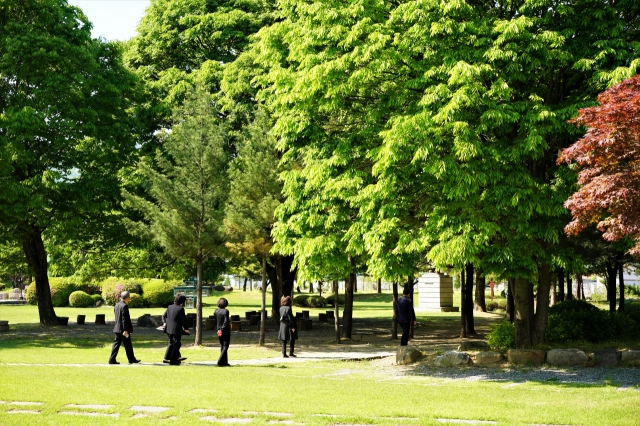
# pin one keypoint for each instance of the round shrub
(572, 306)
(331, 300)
(219, 287)
(502, 336)
(301, 300)
(96, 298)
(80, 299)
(579, 326)
(61, 289)
(310, 301)
(158, 293)
(136, 301)
(112, 287)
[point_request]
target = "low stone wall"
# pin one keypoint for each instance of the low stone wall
(554, 357)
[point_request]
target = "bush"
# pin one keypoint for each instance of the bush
(112, 287)
(493, 305)
(61, 289)
(219, 287)
(331, 300)
(80, 299)
(158, 293)
(136, 301)
(572, 306)
(96, 298)
(631, 291)
(309, 301)
(502, 336)
(632, 310)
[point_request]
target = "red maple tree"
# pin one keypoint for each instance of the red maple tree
(608, 159)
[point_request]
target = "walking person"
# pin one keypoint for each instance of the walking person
(176, 324)
(224, 331)
(405, 315)
(123, 329)
(492, 284)
(288, 327)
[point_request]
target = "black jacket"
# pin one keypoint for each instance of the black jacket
(175, 319)
(222, 319)
(404, 311)
(123, 320)
(287, 322)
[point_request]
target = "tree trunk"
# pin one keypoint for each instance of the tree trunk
(244, 287)
(480, 304)
(579, 291)
(410, 285)
(612, 271)
(511, 284)
(469, 325)
(379, 285)
(198, 341)
(621, 280)
(310, 286)
(561, 285)
(347, 316)
(336, 310)
(541, 316)
(554, 296)
(522, 322)
(320, 288)
(394, 324)
(37, 259)
(569, 295)
(263, 305)
(463, 311)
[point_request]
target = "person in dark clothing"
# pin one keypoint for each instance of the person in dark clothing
(224, 331)
(123, 329)
(176, 324)
(405, 315)
(288, 327)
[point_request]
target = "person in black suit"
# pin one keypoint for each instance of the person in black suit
(288, 327)
(123, 329)
(405, 315)
(224, 331)
(176, 324)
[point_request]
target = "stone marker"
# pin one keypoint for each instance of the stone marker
(526, 356)
(210, 324)
(331, 315)
(63, 320)
(305, 314)
(81, 319)
(606, 357)
(234, 318)
(630, 357)
(248, 314)
(473, 345)
(452, 359)
(4, 326)
(566, 357)
(489, 358)
(100, 319)
(407, 355)
(322, 317)
(236, 325)
(255, 319)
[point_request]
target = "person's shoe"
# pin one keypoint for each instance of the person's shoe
(293, 356)
(181, 359)
(114, 363)
(285, 356)
(174, 363)
(135, 361)
(166, 361)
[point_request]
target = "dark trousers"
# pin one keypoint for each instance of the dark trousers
(173, 350)
(224, 347)
(291, 347)
(406, 330)
(128, 348)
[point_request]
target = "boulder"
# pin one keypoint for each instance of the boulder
(566, 357)
(473, 345)
(452, 359)
(147, 320)
(489, 358)
(142, 320)
(606, 357)
(407, 355)
(630, 357)
(526, 356)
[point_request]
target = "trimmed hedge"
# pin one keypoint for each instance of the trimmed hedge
(310, 301)
(158, 292)
(61, 289)
(80, 299)
(502, 336)
(136, 301)
(112, 287)
(96, 298)
(331, 300)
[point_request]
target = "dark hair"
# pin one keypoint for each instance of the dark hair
(179, 299)
(406, 290)
(223, 303)
(285, 301)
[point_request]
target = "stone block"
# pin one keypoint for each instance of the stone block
(526, 356)
(630, 357)
(452, 359)
(4, 328)
(236, 325)
(566, 357)
(473, 345)
(4, 322)
(407, 355)
(606, 357)
(489, 358)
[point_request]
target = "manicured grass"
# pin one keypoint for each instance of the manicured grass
(357, 392)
